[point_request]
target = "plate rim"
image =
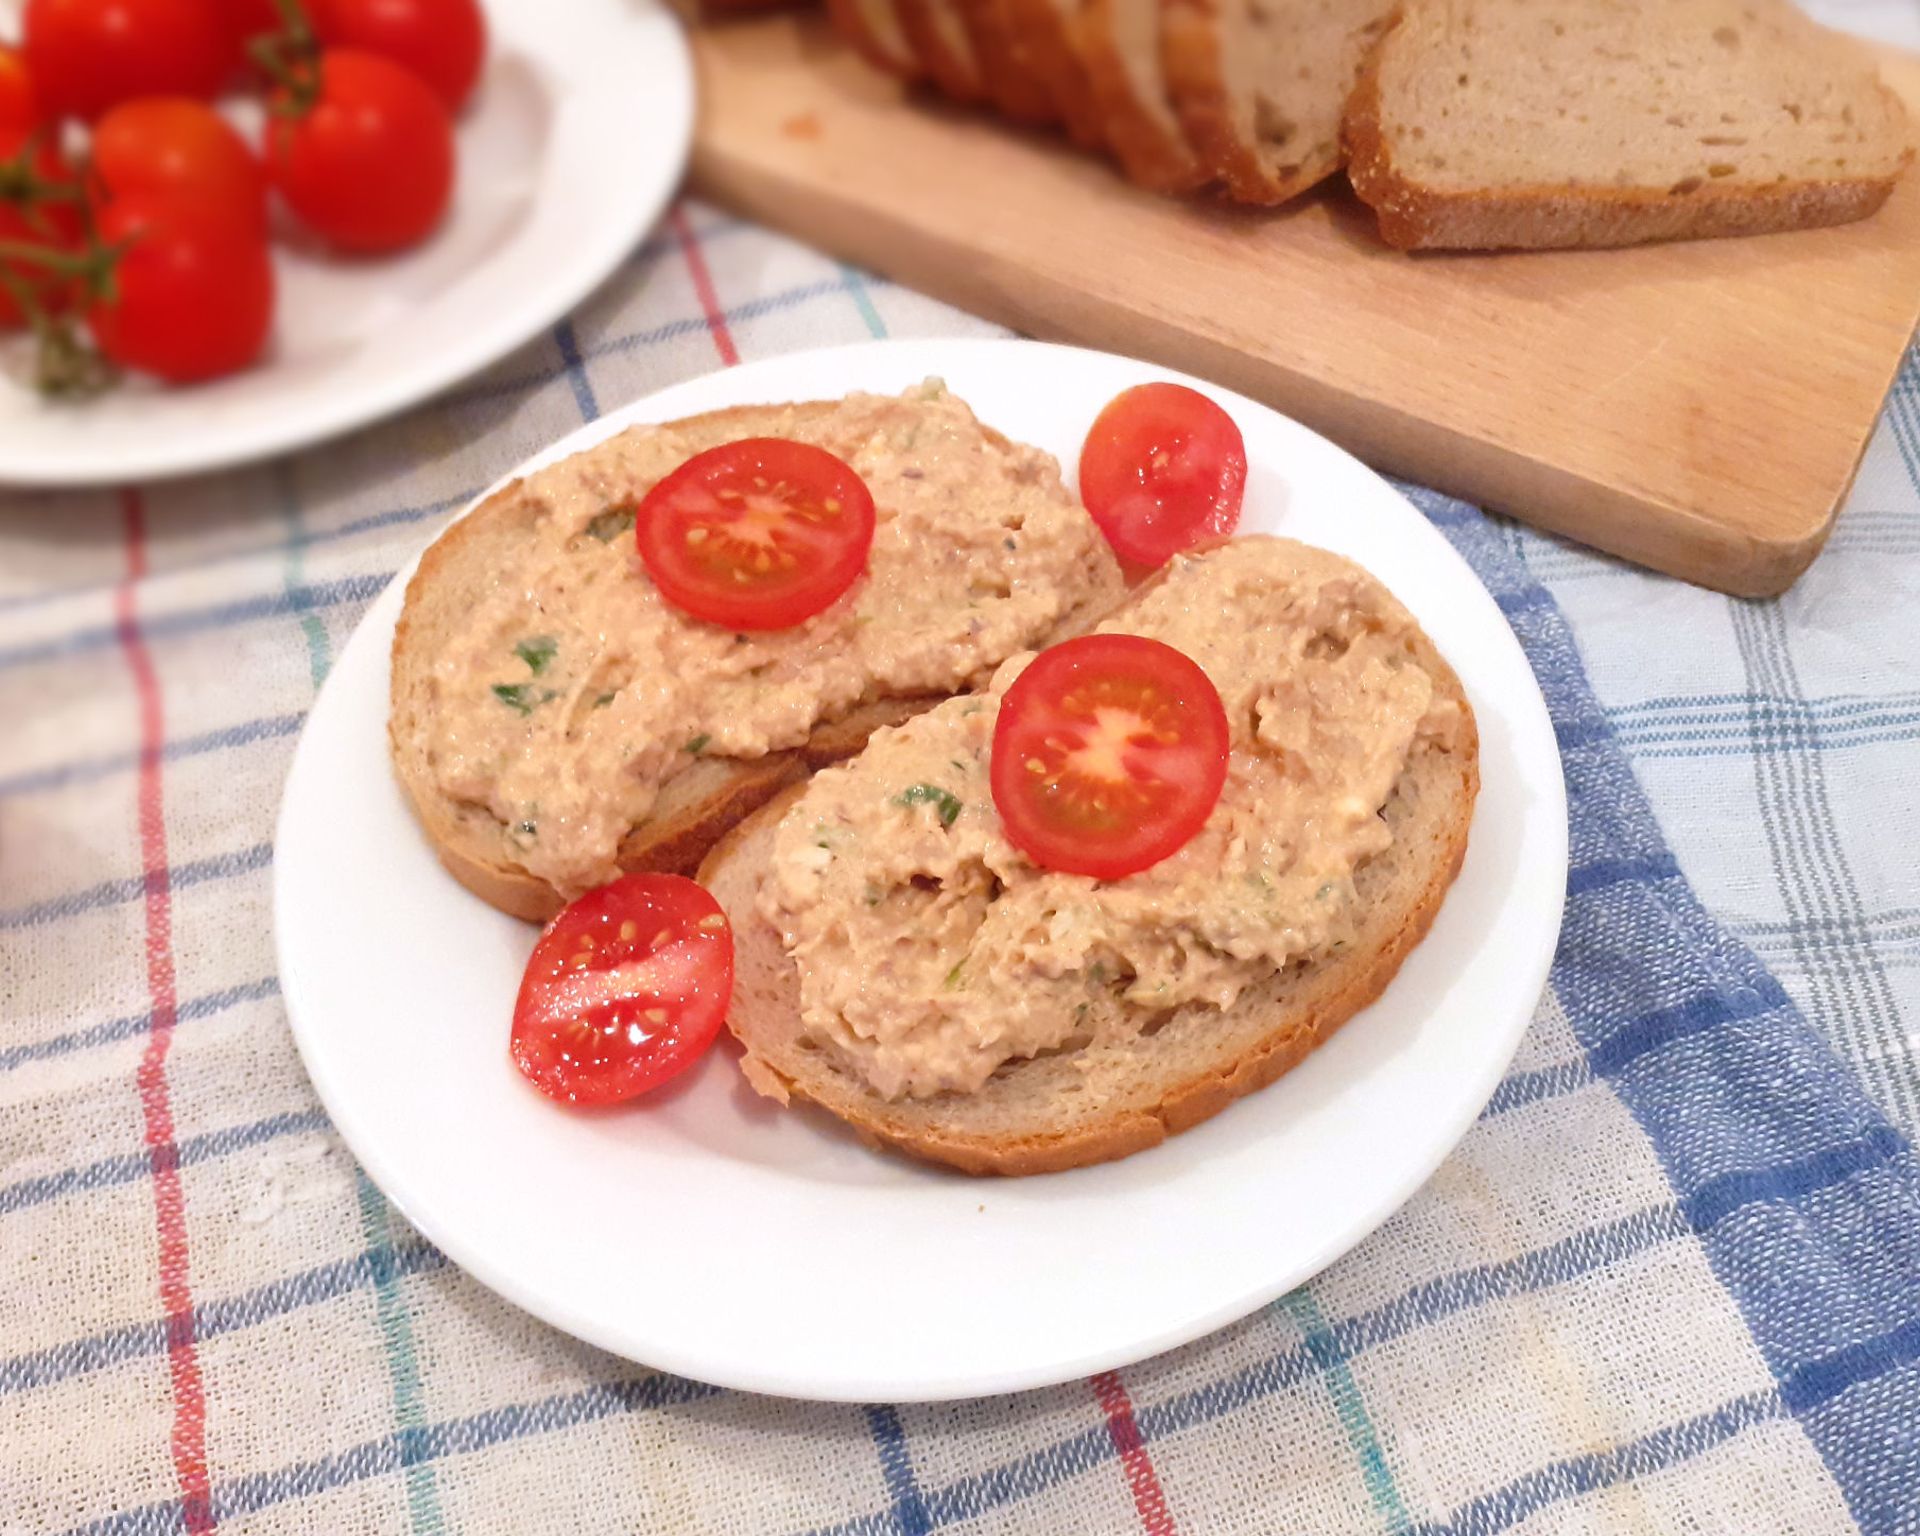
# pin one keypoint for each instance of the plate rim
(664, 1354)
(404, 390)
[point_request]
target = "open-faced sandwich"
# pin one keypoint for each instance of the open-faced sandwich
(1091, 864)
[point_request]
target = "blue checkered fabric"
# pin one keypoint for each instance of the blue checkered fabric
(1669, 1282)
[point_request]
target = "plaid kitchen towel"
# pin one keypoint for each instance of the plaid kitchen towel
(1670, 1281)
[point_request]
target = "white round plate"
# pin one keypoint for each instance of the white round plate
(568, 152)
(705, 1231)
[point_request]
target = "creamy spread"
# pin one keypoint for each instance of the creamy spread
(930, 951)
(572, 693)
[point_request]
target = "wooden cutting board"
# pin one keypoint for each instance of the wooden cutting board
(1699, 408)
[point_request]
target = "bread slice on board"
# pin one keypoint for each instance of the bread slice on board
(874, 29)
(1488, 124)
(1121, 1094)
(941, 42)
(1120, 42)
(1260, 85)
(1047, 33)
(1013, 84)
(706, 793)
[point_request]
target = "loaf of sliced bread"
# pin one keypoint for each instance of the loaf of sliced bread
(577, 731)
(1120, 45)
(1110, 1092)
(1260, 85)
(874, 29)
(1488, 124)
(938, 34)
(1013, 83)
(1047, 33)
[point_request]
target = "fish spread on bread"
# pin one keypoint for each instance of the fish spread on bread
(930, 952)
(542, 712)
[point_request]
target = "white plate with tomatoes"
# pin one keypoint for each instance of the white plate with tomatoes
(384, 288)
(703, 1230)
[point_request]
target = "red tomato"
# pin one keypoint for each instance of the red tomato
(88, 55)
(249, 19)
(444, 42)
(1109, 754)
(369, 167)
(625, 989)
(757, 534)
(19, 106)
(30, 162)
(1163, 469)
(178, 148)
(193, 293)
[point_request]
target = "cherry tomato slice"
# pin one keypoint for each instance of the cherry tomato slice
(626, 988)
(1109, 754)
(757, 534)
(1163, 469)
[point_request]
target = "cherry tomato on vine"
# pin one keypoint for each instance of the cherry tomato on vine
(626, 988)
(1163, 469)
(247, 20)
(444, 42)
(1110, 752)
(40, 212)
(88, 55)
(177, 148)
(192, 293)
(19, 103)
(368, 164)
(757, 534)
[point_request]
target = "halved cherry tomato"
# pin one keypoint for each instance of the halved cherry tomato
(88, 55)
(444, 42)
(757, 534)
(368, 165)
(1109, 754)
(19, 106)
(1163, 469)
(626, 988)
(177, 148)
(39, 211)
(192, 294)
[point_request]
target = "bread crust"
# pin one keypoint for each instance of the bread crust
(849, 19)
(689, 821)
(1330, 990)
(1152, 156)
(1046, 37)
(1414, 217)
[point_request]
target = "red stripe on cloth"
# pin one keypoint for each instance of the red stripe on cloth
(189, 1438)
(703, 288)
(1142, 1481)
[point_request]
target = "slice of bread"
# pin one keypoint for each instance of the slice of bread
(1120, 43)
(1260, 85)
(1124, 1090)
(1013, 83)
(874, 29)
(944, 47)
(704, 794)
(1488, 124)
(1046, 31)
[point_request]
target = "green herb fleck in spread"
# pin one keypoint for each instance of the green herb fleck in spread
(537, 651)
(610, 524)
(522, 698)
(942, 800)
(698, 744)
(604, 700)
(953, 983)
